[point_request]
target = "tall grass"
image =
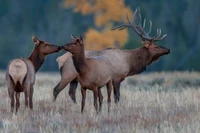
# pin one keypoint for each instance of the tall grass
(155, 102)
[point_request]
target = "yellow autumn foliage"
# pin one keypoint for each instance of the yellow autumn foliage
(106, 12)
(95, 40)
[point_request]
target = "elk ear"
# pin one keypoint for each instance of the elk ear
(35, 40)
(73, 37)
(81, 40)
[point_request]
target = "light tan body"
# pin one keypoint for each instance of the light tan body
(116, 57)
(96, 73)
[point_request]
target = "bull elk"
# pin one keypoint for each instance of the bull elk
(124, 62)
(20, 75)
(93, 73)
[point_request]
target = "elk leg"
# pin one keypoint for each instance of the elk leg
(26, 98)
(116, 85)
(95, 93)
(100, 99)
(83, 92)
(17, 96)
(31, 98)
(109, 90)
(72, 90)
(11, 94)
(26, 93)
(60, 86)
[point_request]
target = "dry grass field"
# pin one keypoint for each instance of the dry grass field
(150, 103)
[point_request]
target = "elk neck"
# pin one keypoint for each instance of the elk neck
(139, 59)
(79, 60)
(37, 58)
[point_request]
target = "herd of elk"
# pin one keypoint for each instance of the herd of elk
(20, 75)
(92, 69)
(124, 63)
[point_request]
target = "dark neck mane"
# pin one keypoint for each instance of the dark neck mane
(139, 59)
(79, 60)
(37, 59)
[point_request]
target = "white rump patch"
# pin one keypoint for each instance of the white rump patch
(61, 59)
(17, 70)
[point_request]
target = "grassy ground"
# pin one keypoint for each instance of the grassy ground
(155, 102)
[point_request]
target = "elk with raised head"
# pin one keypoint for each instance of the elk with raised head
(93, 73)
(20, 75)
(124, 62)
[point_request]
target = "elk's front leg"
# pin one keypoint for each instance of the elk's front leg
(72, 90)
(83, 92)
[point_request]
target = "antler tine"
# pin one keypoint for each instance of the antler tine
(144, 24)
(157, 35)
(150, 26)
(133, 19)
(73, 36)
(119, 27)
(127, 18)
(158, 39)
(134, 26)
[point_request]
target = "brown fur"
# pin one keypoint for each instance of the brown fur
(123, 62)
(92, 73)
(20, 75)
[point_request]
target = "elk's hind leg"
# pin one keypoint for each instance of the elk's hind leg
(100, 99)
(109, 90)
(17, 96)
(95, 93)
(26, 93)
(60, 86)
(116, 85)
(11, 95)
(31, 97)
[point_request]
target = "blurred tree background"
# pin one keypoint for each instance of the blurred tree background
(55, 20)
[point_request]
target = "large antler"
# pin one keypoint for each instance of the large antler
(139, 29)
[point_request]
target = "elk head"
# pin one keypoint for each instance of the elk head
(74, 47)
(44, 48)
(155, 51)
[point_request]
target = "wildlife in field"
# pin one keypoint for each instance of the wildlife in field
(20, 74)
(124, 63)
(93, 73)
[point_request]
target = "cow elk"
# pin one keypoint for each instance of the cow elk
(20, 75)
(124, 62)
(93, 73)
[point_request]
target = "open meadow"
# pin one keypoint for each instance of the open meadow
(150, 102)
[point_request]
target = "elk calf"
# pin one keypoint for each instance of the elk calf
(92, 73)
(20, 75)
